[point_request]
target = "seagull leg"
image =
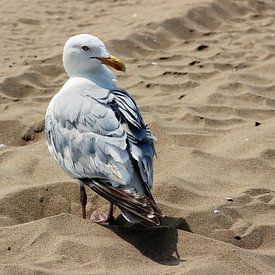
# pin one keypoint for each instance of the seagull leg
(83, 200)
(111, 218)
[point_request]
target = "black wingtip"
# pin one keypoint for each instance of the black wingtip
(140, 206)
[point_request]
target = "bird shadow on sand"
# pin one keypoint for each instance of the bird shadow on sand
(158, 243)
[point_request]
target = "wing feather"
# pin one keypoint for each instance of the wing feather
(140, 139)
(103, 141)
(88, 140)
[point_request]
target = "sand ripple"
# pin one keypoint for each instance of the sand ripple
(203, 76)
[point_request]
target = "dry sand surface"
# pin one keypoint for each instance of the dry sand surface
(203, 74)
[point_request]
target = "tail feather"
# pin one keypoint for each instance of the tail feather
(134, 218)
(136, 204)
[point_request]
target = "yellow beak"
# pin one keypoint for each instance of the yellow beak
(113, 62)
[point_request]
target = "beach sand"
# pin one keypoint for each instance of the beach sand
(202, 74)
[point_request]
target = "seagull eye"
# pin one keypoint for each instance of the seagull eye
(85, 48)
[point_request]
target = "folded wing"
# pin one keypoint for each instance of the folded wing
(99, 137)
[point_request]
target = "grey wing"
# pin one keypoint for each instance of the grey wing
(139, 138)
(103, 141)
(87, 139)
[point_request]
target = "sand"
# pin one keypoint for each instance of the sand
(202, 73)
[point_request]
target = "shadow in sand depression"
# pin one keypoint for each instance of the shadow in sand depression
(158, 243)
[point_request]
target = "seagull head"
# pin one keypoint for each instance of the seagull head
(85, 54)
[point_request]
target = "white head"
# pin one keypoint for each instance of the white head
(85, 55)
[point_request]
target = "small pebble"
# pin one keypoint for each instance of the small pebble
(3, 146)
(257, 123)
(229, 199)
(216, 211)
(163, 57)
(202, 47)
(194, 62)
(237, 237)
(154, 63)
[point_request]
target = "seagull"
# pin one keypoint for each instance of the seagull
(96, 133)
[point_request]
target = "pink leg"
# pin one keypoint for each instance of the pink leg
(100, 217)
